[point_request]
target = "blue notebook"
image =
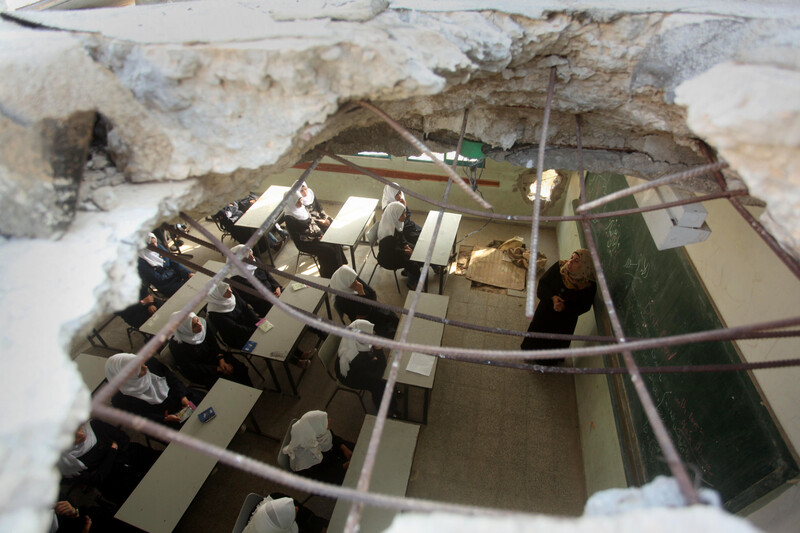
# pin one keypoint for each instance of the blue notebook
(249, 346)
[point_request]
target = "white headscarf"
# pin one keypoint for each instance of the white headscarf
(153, 259)
(238, 248)
(343, 278)
(217, 302)
(69, 464)
(150, 388)
(390, 195)
(273, 516)
(184, 333)
(310, 437)
(308, 199)
(349, 348)
(390, 221)
(300, 213)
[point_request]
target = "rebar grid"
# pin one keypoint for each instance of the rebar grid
(494, 357)
(530, 300)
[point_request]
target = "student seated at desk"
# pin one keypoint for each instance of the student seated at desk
(345, 279)
(361, 366)
(394, 251)
(230, 316)
(411, 229)
(199, 357)
(69, 518)
(104, 457)
(279, 513)
(314, 207)
(315, 451)
(306, 235)
(137, 314)
(165, 275)
(259, 305)
(154, 392)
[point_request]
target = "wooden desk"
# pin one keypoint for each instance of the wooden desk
(444, 242)
(282, 339)
(390, 475)
(92, 369)
(422, 332)
(175, 303)
(160, 499)
(349, 225)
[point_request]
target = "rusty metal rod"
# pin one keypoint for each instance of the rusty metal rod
(790, 262)
(419, 145)
(652, 184)
(530, 300)
(660, 432)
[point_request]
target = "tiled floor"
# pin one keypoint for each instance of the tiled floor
(516, 431)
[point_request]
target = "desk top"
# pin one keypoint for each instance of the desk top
(92, 369)
(444, 241)
(175, 303)
(346, 228)
(282, 337)
(422, 332)
(159, 501)
(261, 209)
(390, 475)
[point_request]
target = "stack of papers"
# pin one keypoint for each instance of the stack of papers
(264, 325)
(420, 363)
(296, 285)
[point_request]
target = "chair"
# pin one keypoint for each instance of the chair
(247, 356)
(249, 505)
(283, 459)
(372, 238)
(327, 356)
(217, 220)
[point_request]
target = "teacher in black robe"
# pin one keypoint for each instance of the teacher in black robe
(565, 292)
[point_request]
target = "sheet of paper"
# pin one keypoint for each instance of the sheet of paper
(296, 285)
(420, 363)
(264, 325)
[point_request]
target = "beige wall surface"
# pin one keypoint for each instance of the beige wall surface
(329, 185)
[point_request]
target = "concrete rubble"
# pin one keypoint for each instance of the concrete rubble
(198, 110)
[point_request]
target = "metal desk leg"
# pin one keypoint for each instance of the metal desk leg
(441, 280)
(273, 376)
(353, 255)
(405, 402)
(291, 379)
(425, 406)
(328, 306)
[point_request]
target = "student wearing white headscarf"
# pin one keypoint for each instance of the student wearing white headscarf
(315, 451)
(153, 391)
(361, 365)
(306, 235)
(103, 457)
(314, 208)
(199, 357)
(259, 305)
(411, 230)
(230, 316)
(278, 513)
(165, 275)
(345, 279)
(394, 251)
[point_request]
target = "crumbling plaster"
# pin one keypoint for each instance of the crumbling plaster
(211, 97)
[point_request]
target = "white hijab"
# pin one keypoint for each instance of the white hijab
(343, 278)
(153, 259)
(217, 302)
(310, 437)
(273, 516)
(150, 388)
(69, 464)
(238, 248)
(390, 195)
(308, 199)
(300, 213)
(390, 221)
(349, 348)
(184, 333)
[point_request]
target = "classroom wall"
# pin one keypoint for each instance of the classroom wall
(602, 456)
(337, 187)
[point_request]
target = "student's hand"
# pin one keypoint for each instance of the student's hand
(191, 274)
(172, 418)
(359, 288)
(87, 525)
(558, 304)
(408, 251)
(152, 309)
(64, 508)
(185, 401)
(277, 292)
(225, 367)
(114, 446)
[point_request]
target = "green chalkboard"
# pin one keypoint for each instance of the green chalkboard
(718, 421)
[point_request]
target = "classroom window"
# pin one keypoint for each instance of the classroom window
(379, 155)
(463, 161)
